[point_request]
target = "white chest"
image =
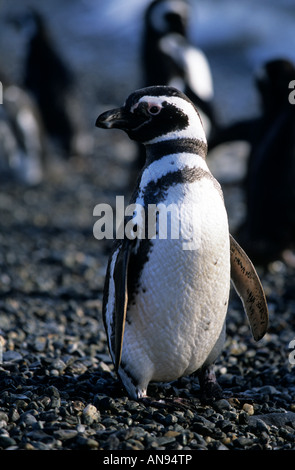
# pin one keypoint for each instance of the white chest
(179, 310)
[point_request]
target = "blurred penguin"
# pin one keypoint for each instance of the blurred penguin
(169, 58)
(269, 226)
(22, 141)
(51, 83)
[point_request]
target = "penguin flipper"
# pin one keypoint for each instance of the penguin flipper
(248, 286)
(121, 297)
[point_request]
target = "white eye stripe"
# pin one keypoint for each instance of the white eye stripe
(153, 100)
(194, 129)
(133, 108)
(152, 104)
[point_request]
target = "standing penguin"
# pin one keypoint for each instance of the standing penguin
(168, 57)
(23, 151)
(51, 83)
(269, 226)
(166, 298)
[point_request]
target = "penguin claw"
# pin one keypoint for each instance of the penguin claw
(210, 389)
(211, 392)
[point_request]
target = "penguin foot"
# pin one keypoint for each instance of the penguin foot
(210, 389)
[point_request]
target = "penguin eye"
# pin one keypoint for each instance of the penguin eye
(154, 109)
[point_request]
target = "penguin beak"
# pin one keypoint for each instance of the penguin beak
(120, 118)
(114, 119)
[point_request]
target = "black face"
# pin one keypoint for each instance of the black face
(176, 23)
(147, 119)
(163, 18)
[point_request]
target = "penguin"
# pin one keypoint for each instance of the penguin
(169, 58)
(165, 298)
(51, 82)
(269, 226)
(23, 151)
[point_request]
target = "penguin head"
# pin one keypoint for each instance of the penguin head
(272, 81)
(30, 22)
(167, 16)
(155, 113)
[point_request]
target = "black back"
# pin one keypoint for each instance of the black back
(50, 81)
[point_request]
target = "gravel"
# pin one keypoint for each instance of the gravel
(58, 389)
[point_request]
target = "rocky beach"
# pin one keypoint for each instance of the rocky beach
(58, 389)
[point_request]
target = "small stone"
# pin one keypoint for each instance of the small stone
(189, 414)
(269, 390)
(54, 397)
(104, 402)
(78, 406)
(128, 421)
(225, 425)
(3, 416)
(58, 364)
(40, 344)
(135, 444)
(202, 429)
(110, 422)
(14, 415)
(170, 419)
(11, 356)
(263, 429)
(29, 446)
(233, 401)
(48, 416)
(65, 434)
(221, 405)
(243, 417)
(90, 414)
(276, 419)
(6, 441)
(163, 440)
(28, 419)
(221, 446)
(243, 442)
(37, 435)
(226, 440)
(248, 408)
(172, 434)
(92, 443)
(104, 367)
(80, 428)
(77, 368)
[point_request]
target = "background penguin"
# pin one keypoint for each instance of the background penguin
(23, 150)
(165, 302)
(168, 57)
(269, 226)
(51, 82)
